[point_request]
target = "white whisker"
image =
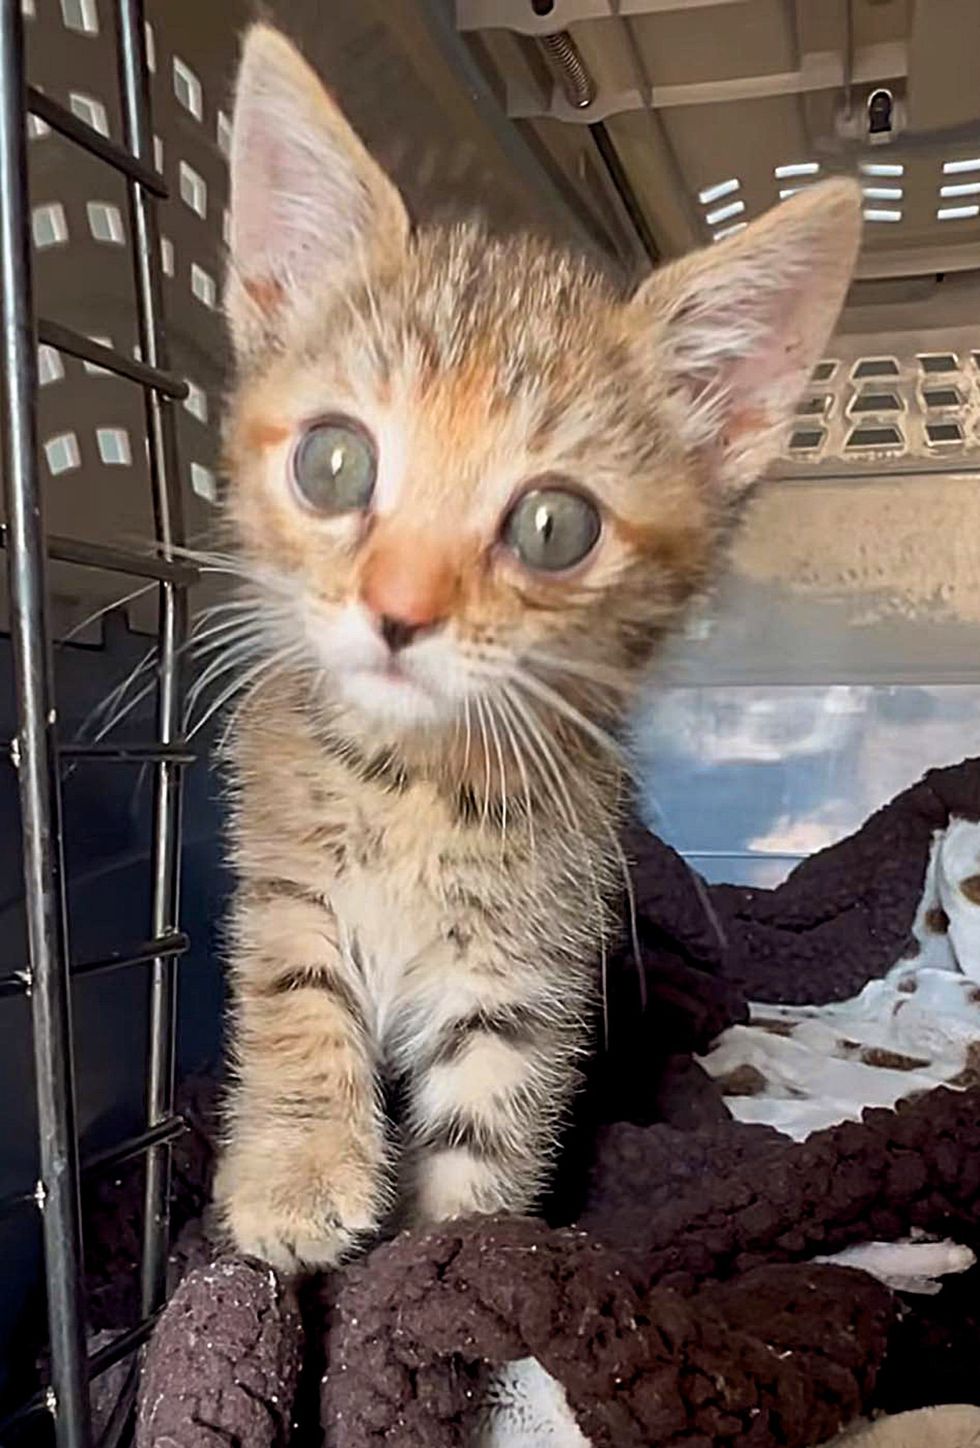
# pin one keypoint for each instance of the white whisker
(545, 754)
(268, 663)
(124, 712)
(491, 719)
(118, 694)
(560, 705)
(507, 723)
(280, 664)
(106, 608)
(468, 741)
(481, 720)
(240, 652)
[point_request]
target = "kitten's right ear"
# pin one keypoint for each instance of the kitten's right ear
(309, 207)
(734, 330)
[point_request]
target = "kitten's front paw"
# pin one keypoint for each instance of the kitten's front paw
(295, 1227)
(289, 1242)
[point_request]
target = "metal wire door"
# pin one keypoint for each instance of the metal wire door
(37, 753)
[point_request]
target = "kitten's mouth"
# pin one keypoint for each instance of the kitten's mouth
(393, 672)
(389, 690)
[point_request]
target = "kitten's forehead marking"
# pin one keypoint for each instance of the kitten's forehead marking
(448, 436)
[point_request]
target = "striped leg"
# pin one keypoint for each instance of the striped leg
(303, 1177)
(488, 1093)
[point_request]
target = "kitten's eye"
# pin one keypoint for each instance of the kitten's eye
(335, 466)
(551, 529)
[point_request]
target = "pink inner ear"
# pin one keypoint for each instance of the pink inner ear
(759, 361)
(274, 181)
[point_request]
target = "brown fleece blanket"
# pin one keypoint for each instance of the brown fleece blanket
(682, 1305)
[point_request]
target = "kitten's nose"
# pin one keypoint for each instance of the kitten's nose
(408, 583)
(398, 632)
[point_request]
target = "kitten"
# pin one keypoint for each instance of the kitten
(472, 486)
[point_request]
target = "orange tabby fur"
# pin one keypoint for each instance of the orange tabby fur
(425, 846)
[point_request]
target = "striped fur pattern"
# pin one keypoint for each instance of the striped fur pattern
(426, 853)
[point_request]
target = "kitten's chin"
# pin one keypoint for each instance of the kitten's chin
(393, 700)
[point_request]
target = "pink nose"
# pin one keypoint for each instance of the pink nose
(409, 582)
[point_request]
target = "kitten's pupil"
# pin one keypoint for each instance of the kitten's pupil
(335, 466)
(551, 529)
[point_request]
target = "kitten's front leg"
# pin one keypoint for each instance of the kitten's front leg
(303, 1175)
(489, 1092)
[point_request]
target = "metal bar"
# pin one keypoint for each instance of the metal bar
(121, 1347)
(15, 983)
(177, 943)
(161, 434)
(164, 1131)
(115, 560)
(61, 119)
(37, 768)
(130, 753)
(618, 177)
(161, 1134)
(98, 1363)
(117, 753)
(18, 982)
(121, 1423)
(76, 344)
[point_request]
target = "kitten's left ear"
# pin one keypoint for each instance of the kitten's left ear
(309, 207)
(736, 329)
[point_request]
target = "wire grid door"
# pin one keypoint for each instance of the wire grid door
(36, 751)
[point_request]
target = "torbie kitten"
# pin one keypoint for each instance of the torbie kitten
(472, 485)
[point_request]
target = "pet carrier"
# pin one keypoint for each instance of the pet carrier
(836, 662)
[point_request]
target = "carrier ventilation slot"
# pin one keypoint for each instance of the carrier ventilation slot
(939, 433)
(817, 406)
(825, 370)
(935, 362)
(807, 439)
(875, 437)
(876, 402)
(875, 367)
(935, 397)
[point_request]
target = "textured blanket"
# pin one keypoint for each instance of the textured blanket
(711, 1269)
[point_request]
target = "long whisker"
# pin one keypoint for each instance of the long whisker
(241, 651)
(209, 639)
(617, 850)
(124, 712)
(266, 663)
(507, 723)
(468, 739)
(532, 685)
(492, 720)
(230, 606)
(106, 608)
(545, 753)
(481, 720)
(706, 905)
(598, 675)
(116, 695)
(545, 759)
(281, 663)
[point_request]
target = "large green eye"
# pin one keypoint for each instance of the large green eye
(551, 529)
(335, 466)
